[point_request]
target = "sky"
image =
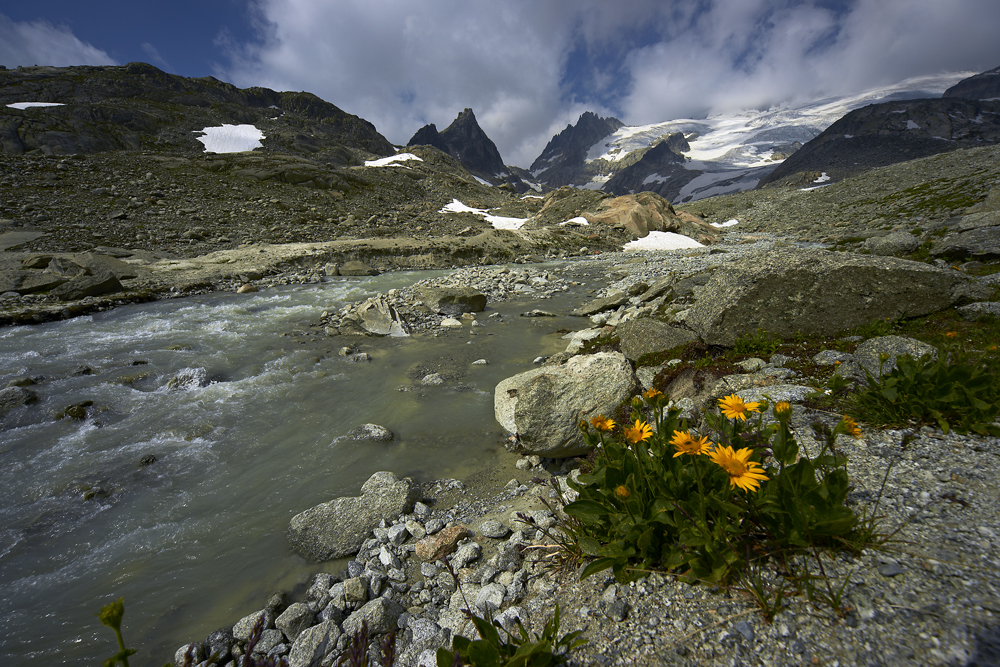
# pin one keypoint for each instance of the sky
(528, 68)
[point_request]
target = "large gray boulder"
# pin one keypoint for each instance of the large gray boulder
(979, 243)
(379, 317)
(452, 300)
(644, 335)
(895, 244)
(99, 283)
(817, 292)
(314, 644)
(339, 527)
(867, 354)
(544, 406)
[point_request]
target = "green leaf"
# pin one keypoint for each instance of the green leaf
(589, 545)
(596, 566)
(484, 654)
(585, 508)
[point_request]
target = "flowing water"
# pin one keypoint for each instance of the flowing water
(246, 417)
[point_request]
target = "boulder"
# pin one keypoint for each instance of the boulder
(644, 335)
(452, 300)
(379, 317)
(338, 528)
(356, 268)
(817, 292)
(894, 244)
(379, 614)
(370, 432)
(12, 397)
(600, 304)
(648, 212)
(544, 406)
(294, 620)
(314, 644)
(867, 354)
(440, 545)
(982, 243)
(99, 283)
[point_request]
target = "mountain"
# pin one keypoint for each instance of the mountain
(726, 153)
(137, 106)
(465, 141)
(882, 134)
(983, 86)
(564, 160)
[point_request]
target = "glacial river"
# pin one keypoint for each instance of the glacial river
(250, 433)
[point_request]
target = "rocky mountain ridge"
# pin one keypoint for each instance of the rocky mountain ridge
(139, 107)
(465, 141)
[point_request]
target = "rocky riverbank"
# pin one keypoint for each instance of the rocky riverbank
(927, 598)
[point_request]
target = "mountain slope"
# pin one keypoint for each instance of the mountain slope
(983, 86)
(139, 106)
(883, 134)
(727, 153)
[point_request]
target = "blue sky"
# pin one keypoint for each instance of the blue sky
(527, 67)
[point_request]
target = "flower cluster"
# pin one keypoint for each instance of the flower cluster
(661, 494)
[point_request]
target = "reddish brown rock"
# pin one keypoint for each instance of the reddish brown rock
(441, 544)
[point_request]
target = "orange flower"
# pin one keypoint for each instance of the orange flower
(733, 407)
(601, 423)
(688, 444)
(636, 434)
(743, 472)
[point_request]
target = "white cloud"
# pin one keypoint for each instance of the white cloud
(402, 64)
(41, 43)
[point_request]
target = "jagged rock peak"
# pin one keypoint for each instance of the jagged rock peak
(577, 139)
(465, 141)
(983, 86)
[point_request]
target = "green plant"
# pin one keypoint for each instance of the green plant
(956, 391)
(760, 342)
(709, 511)
(111, 615)
(518, 650)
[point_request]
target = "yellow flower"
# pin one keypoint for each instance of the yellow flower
(992, 348)
(951, 334)
(650, 394)
(622, 492)
(851, 427)
(688, 444)
(743, 472)
(601, 423)
(636, 434)
(733, 407)
(783, 410)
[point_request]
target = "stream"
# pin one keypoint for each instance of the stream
(245, 409)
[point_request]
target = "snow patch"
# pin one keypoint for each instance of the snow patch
(823, 178)
(727, 223)
(653, 178)
(483, 181)
(498, 222)
(231, 138)
(910, 125)
(392, 160)
(28, 105)
(662, 241)
(578, 221)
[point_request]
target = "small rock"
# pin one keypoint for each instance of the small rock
(247, 288)
(438, 546)
(372, 432)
